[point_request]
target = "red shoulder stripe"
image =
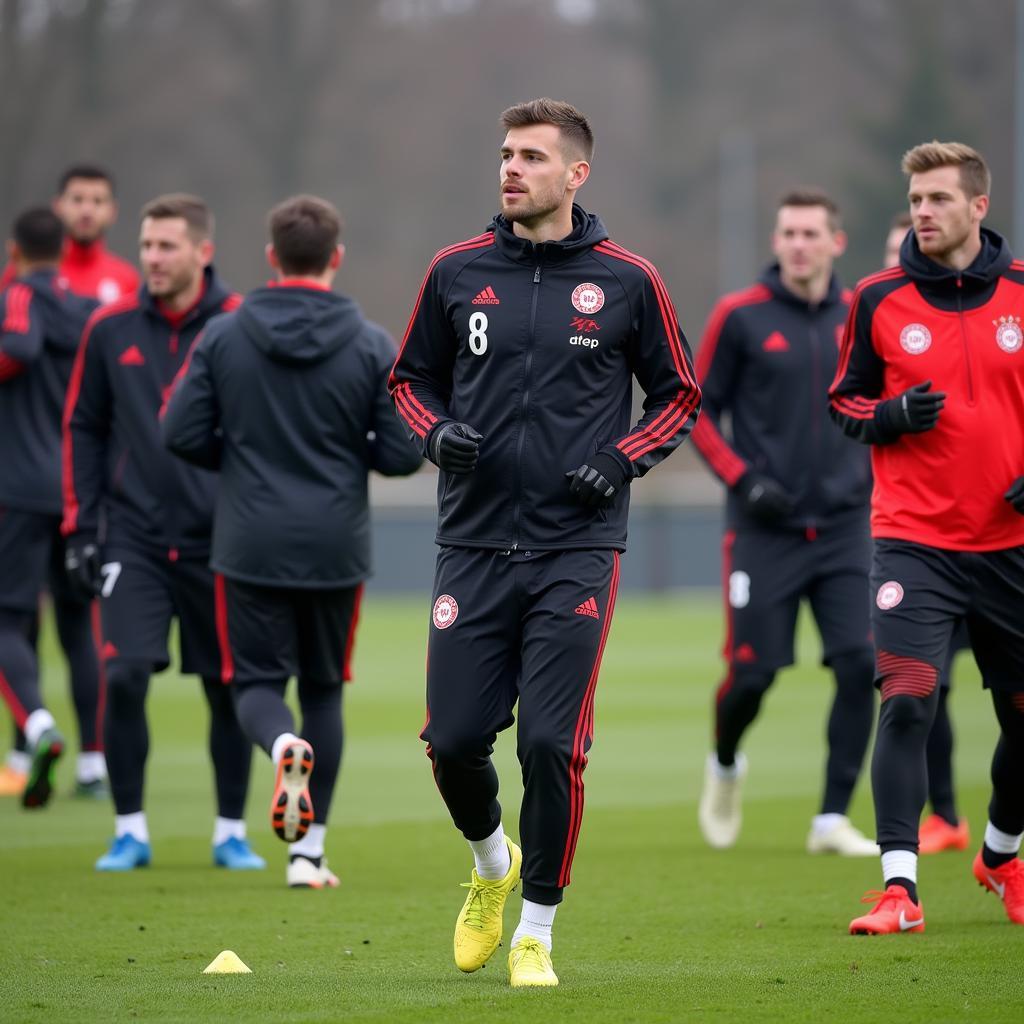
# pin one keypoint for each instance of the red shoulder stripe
(231, 303)
(17, 298)
(728, 304)
(479, 242)
(668, 313)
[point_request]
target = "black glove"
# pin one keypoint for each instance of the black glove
(1015, 495)
(913, 412)
(763, 499)
(82, 564)
(596, 482)
(454, 447)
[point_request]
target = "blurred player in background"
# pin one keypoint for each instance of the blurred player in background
(40, 327)
(797, 513)
(87, 208)
(150, 562)
(932, 377)
(287, 398)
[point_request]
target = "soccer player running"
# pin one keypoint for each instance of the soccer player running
(87, 207)
(516, 375)
(138, 521)
(797, 513)
(932, 376)
(287, 397)
(40, 327)
(944, 828)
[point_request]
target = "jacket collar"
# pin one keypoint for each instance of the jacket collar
(771, 278)
(587, 231)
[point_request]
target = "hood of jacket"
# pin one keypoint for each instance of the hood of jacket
(298, 324)
(587, 231)
(976, 282)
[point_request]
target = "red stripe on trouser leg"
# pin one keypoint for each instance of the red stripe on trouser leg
(101, 702)
(1018, 701)
(584, 733)
(351, 641)
(905, 676)
(11, 700)
(220, 601)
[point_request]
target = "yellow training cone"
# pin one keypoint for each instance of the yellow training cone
(227, 962)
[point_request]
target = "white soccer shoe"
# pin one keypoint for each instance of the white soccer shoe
(721, 812)
(842, 838)
(304, 874)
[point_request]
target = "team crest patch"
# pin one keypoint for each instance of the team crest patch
(915, 339)
(1009, 336)
(587, 298)
(889, 595)
(446, 611)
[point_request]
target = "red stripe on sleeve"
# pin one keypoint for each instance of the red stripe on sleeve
(18, 297)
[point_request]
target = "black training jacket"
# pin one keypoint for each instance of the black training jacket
(40, 327)
(287, 398)
(536, 347)
(116, 467)
(766, 360)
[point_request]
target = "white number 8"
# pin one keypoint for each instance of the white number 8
(478, 334)
(739, 590)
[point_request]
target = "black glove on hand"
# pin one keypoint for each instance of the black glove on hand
(596, 482)
(913, 412)
(1015, 495)
(763, 499)
(82, 564)
(455, 447)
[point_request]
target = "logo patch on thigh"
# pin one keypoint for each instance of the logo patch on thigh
(889, 595)
(446, 611)
(739, 589)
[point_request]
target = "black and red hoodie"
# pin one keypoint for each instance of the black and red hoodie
(116, 468)
(965, 333)
(536, 347)
(40, 327)
(765, 360)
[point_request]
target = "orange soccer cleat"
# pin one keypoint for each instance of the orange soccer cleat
(1007, 882)
(936, 834)
(894, 912)
(291, 809)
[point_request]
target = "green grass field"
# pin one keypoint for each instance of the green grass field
(655, 927)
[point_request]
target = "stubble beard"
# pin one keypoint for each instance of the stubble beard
(536, 211)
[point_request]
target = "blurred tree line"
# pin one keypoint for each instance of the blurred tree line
(389, 108)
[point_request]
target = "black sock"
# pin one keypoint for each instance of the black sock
(907, 884)
(737, 702)
(849, 727)
(230, 750)
(322, 727)
(939, 754)
(991, 859)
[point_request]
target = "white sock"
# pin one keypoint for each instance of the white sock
(899, 864)
(19, 761)
(282, 741)
(1001, 842)
(36, 724)
(311, 844)
(132, 825)
(227, 828)
(491, 855)
(536, 921)
(91, 766)
(822, 823)
(728, 771)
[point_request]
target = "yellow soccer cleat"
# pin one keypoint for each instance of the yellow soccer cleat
(529, 965)
(478, 927)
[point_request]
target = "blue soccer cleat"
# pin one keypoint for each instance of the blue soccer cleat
(237, 855)
(125, 854)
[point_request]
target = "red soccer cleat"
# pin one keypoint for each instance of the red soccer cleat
(1007, 882)
(936, 834)
(894, 912)
(291, 809)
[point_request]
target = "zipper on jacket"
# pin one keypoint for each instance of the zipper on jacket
(815, 341)
(963, 336)
(523, 408)
(173, 343)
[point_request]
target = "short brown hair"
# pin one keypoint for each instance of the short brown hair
(808, 195)
(304, 231)
(191, 209)
(573, 126)
(901, 220)
(975, 178)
